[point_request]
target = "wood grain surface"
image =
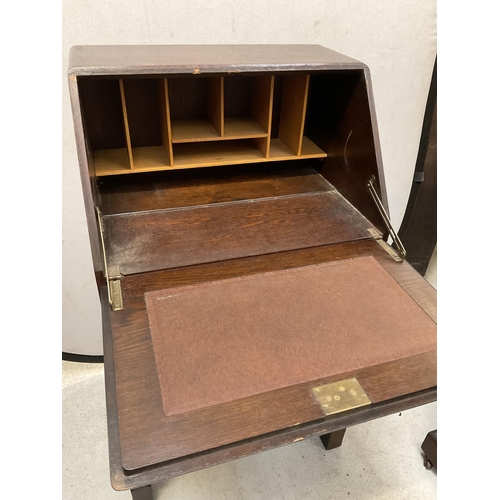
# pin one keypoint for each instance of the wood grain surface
(341, 123)
(145, 445)
(150, 241)
(202, 59)
(122, 479)
(148, 437)
(163, 190)
(293, 111)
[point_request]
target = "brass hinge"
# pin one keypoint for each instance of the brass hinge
(400, 253)
(341, 396)
(111, 273)
(115, 288)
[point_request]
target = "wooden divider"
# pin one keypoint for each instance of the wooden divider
(203, 122)
(293, 111)
(216, 104)
(262, 109)
(166, 127)
(127, 130)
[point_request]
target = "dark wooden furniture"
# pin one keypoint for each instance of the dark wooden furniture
(418, 230)
(429, 447)
(246, 288)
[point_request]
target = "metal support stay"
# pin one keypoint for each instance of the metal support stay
(112, 274)
(400, 253)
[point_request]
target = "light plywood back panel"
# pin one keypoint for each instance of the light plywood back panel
(293, 111)
(127, 131)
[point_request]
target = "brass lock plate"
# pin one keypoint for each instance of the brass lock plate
(340, 396)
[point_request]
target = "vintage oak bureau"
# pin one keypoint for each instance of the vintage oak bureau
(237, 215)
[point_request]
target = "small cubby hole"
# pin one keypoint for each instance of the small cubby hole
(247, 106)
(146, 116)
(102, 113)
(195, 108)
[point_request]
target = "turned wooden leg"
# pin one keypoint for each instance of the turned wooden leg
(144, 493)
(333, 440)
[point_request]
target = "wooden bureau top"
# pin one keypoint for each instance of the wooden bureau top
(197, 59)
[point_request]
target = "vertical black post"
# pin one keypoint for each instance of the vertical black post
(144, 493)
(418, 231)
(333, 440)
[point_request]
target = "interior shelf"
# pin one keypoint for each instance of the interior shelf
(193, 131)
(187, 122)
(242, 128)
(207, 154)
(203, 130)
(279, 151)
(150, 158)
(111, 161)
(199, 154)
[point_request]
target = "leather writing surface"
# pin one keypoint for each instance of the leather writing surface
(219, 341)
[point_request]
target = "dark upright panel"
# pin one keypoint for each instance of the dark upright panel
(418, 230)
(339, 122)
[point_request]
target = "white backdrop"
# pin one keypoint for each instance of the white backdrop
(397, 40)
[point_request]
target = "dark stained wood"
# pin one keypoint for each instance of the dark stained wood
(339, 121)
(87, 175)
(144, 493)
(145, 446)
(122, 480)
(216, 104)
(166, 124)
(429, 447)
(418, 288)
(188, 98)
(105, 155)
(203, 59)
(418, 231)
(151, 241)
(238, 96)
(143, 111)
(158, 191)
(102, 113)
(333, 440)
(148, 437)
(422, 292)
(172, 61)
